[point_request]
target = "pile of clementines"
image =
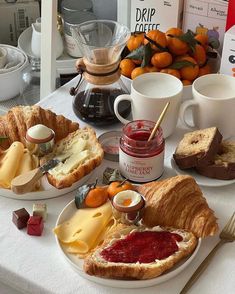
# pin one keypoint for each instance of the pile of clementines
(183, 55)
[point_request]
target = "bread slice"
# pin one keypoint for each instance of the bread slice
(178, 202)
(79, 152)
(223, 166)
(197, 148)
(97, 264)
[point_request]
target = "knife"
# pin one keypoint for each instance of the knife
(26, 182)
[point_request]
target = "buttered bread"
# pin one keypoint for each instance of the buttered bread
(79, 153)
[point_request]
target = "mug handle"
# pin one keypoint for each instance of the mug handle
(184, 106)
(116, 102)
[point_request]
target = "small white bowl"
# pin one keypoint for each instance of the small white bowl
(11, 81)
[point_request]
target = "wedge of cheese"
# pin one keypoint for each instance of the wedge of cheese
(9, 163)
(83, 230)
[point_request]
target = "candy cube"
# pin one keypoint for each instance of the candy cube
(35, 226)
(20, 218)
(40, 209)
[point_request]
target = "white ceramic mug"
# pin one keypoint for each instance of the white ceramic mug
(149, 94)
(3, 57)
(213, 104)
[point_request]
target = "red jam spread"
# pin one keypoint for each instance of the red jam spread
(143, 247)
(140, 135)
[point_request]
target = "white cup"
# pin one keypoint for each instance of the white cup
(149, 94)
(3, 57)
(213, 104)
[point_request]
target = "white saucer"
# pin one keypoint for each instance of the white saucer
(65, 64)
(201, 180)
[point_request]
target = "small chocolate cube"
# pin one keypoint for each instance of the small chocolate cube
(35, 225)
(40, 209)
(20, 218)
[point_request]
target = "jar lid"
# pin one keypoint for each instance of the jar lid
(75, 5)
(110, 144)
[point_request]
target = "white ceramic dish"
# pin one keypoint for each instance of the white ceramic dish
(77, 263)
(64, 64)
(11, 81)
(47, 191)
(201, 180)
(187, 90)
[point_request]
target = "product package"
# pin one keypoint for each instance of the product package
(206, 17)
(15, 18)
(146, 15)
(228, 54)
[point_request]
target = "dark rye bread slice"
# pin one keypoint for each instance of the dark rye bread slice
(223, 167)
(197, 148)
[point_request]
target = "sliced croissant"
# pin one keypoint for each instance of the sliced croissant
(18, 119)
(178, 202)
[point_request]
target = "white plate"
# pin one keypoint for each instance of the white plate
(64, 64)
(77, 263)
(201, 180)
(48, 191)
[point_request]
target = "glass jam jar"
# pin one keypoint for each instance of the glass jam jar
(139, 160)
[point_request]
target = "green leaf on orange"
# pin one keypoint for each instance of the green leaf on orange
(137, 54)
(188, 38)
(147, 55)
(180, 64)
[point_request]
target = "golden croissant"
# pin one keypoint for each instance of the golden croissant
(178, 202)
(18, 119)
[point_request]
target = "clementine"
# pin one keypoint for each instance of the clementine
(116, 187)
(126, 67)
(161, 59)
(96, 197)
(158, 37)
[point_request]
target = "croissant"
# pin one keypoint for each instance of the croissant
(178, 202)
(18, 119)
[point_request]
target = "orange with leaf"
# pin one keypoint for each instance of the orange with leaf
(183, 55)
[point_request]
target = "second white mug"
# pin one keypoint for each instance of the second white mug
(213, 104)
(149, 94)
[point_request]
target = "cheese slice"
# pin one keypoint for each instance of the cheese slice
(10, 163)
(82, 230)
(27, 163)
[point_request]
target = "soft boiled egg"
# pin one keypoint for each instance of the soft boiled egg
(128, 200)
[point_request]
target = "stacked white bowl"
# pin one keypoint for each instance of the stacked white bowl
(12, 62)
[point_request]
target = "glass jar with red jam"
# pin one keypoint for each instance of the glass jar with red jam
(139, 160)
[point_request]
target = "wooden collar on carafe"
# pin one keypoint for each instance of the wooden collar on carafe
(99, 73)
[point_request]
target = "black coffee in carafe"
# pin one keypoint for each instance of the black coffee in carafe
(102, 43)
(96, 107)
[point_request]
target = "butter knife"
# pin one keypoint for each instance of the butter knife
(26, 182)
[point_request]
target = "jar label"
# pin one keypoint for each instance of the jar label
(141, 169)
(71, 46)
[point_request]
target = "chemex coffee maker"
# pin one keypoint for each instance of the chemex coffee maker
(101, 42)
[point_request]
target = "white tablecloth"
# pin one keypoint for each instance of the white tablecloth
(35, 265)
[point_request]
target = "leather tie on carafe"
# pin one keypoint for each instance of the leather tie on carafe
(96, 74)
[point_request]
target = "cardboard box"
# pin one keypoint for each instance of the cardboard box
(228, 55)
(206, 17)
(15, 18)
(145, 15)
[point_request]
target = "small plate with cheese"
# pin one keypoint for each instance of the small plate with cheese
(78, 231)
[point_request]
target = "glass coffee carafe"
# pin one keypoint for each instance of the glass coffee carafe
(99, 84)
